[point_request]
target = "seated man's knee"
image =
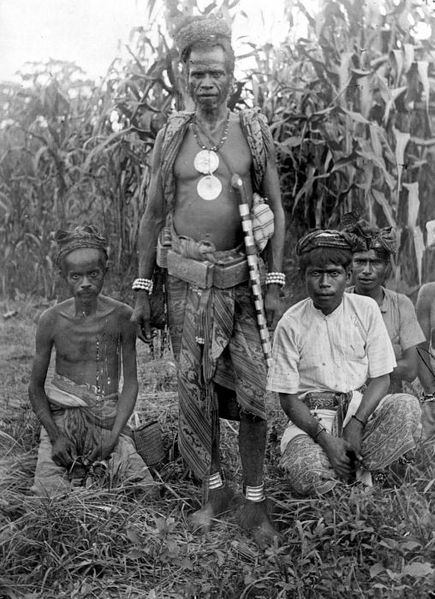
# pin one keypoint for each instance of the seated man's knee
(307, 467)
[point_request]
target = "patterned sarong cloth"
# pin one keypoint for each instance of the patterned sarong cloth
(84, 412)
(392, 431)
(86, 419)
(215, 339)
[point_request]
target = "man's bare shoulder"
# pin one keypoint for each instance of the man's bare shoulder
(112, 304)
(52, 314)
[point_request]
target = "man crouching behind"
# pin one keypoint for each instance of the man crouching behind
(85, 436)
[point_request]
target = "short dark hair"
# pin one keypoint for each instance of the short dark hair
(322, 256)
(223, 42)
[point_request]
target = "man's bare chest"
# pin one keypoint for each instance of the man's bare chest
(79, 340)
(233, 156)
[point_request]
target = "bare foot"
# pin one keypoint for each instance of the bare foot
(254, 518)
(219, 501)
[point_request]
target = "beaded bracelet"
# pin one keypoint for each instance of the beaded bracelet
(359, 420)
(428, 397)
(143, 285)
(275, 277)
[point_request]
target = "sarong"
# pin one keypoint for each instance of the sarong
(393, 429)
(215, 339)
(87, 420)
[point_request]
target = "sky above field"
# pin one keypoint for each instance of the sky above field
(93, 32)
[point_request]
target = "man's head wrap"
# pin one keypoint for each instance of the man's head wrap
(203, 30)
(326, 238)
(86, 236)
(372, 238)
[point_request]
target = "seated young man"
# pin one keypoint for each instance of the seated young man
(84, 419)
(426, 364)
(332, 359)
(371, 265)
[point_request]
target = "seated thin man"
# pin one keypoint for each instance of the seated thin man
(84, 420)
(332, 359)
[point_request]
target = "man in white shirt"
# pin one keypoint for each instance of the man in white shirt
(332, 358)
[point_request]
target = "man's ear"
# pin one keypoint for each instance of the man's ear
(349, 274)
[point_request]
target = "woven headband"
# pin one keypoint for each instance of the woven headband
(326, 238)
(80, 237)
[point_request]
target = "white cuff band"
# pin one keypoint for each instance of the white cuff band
(255, 493)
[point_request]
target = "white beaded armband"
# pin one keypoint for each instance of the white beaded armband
(143, 285)
(275, 277)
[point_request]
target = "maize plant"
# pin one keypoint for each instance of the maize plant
(350, 106)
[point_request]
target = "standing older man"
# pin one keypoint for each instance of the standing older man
(211, 311)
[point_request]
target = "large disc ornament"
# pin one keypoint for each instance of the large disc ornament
(206, 162)
(209, 187)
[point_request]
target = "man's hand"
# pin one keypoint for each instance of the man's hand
(337, 451)
(272, 305)
(141, 316)
(353, 433)
(64, 452)
(103, 450)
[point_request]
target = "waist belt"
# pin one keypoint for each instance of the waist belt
(325, 400)
(330, 400)
(204, 274)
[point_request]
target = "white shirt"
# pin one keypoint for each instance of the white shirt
(335, 352)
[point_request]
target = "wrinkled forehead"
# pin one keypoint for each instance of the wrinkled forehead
(84, 258)
(207, 59)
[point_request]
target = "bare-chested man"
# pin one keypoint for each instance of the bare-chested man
(214, 333)
(83, 418)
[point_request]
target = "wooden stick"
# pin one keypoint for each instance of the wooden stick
(254, 272)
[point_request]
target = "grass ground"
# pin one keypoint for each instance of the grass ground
(354, 543)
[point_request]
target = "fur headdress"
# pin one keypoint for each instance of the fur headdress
(206, 30)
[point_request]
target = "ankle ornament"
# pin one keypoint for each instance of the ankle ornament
(255, 494)
(215, 481)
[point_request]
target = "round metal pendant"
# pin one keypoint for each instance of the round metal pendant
(206, 162)
(209, 187)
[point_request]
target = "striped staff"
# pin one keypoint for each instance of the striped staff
(254, 272)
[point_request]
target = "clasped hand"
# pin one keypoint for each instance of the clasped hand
(141, 317)
(343, 456)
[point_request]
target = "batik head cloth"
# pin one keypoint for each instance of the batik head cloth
(372, 238)
(326, 238)
(200, 30)
(86, 236)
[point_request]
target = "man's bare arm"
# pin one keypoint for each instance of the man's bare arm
(63, 450)
(376, 390)
(275, 249)
(153, 218)
(273, 193)
(151, 223)
(128, 395)
(406, 369)
(426, 297)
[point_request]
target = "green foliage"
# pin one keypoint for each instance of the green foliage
(350, 107)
